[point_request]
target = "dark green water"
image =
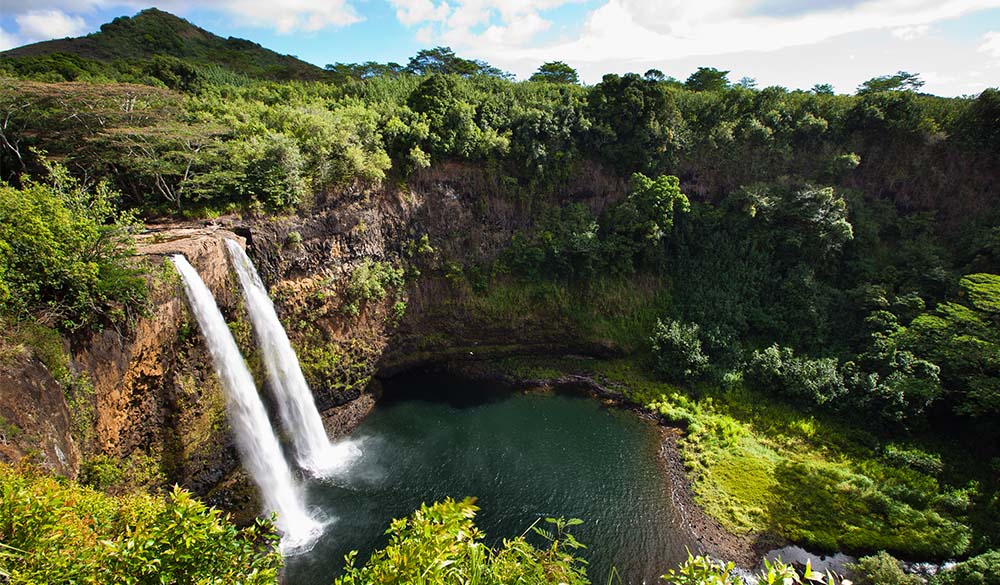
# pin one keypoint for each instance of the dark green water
(523, 456)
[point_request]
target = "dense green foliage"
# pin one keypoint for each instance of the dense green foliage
(556, 72)
(440, 545)
(677, 347)
(882, 569)
(65, 255)
(983, 569)
(57, 532)
(702, 570)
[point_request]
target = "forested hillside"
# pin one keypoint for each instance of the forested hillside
(152, 47)
(807, 282)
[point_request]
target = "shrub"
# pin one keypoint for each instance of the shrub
(58, 532)
(440, 544)
(979, 570)
(702, 570)
(882, 569)
(65, 255)
(370, 281)
(677, 347)
(929, 463)
(814, 381)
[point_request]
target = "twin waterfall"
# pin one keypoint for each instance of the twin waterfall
(256, 441)
(298, 411)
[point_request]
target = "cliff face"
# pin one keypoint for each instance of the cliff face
(147, 397)
(312, 261)
(34, 418)
(155, 392)
(360, 283)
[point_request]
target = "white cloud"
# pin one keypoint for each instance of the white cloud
(411, 12)
(40, 25)
(7, 40)
(502, 24)
(425, 35)
(619, 32)
(288, 16)
(713, 27)
(909, 33)
(991, 44)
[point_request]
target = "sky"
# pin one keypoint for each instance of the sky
(954, 45)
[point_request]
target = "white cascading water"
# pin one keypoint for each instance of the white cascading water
(259, 449)
(314, 451)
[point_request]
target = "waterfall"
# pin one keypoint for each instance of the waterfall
(259, 449)
(296, 405)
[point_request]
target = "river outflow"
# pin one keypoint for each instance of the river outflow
(523, 456)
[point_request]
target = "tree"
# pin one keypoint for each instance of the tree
(169, 155)
(901, 81)
(677, 350)
(983, 569)
(654, 75)
(776, 368)
(365, 70)
(440, 60)
(450, 119)
(444, 60)
(707, 79)
(805, 223)
(635, 229)
(963, 337)
(979, 124)
(747, 83)
(61, 532)
(440, 544)
(556, 72)
(634, 122)
(274, 175)
(822, 89)
(65, 255)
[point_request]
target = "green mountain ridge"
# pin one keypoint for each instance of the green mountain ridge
(152, 34)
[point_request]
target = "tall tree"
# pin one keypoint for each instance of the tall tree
(654, 75)
(444, 60)
(556, 72)
(901, 81)
(634, 122)
(440, 60)
(707, 79)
